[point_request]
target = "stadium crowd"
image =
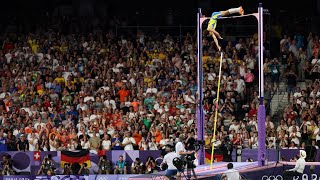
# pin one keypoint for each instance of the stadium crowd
(98, 91)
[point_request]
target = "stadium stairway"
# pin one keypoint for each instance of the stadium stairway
(280, 99)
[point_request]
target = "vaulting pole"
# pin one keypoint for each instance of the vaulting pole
(216, 112)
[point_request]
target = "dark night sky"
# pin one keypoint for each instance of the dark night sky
(153, 8)
(153, 12)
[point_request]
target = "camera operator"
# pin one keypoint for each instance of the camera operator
(67, 169)
(46, 165)
(182, 153)
(104, 165)
(180, 147)
(137, 167)
(167, 162)
(84, 169)
(7, 165)
(190, 142)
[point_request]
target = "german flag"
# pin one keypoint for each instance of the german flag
(216, 157)
(75, 157)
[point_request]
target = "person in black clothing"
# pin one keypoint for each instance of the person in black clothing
(292, 82)
(104, 165)
(304, 134)
(190, 142)
(22, 144)
(284, 57)
(311, 151)
(226, 148)
(75, 168)
(11, 139)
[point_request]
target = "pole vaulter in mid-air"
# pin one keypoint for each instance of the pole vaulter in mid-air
(213, 22)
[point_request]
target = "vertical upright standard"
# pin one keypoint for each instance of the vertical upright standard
(200, 113)
(261, 109)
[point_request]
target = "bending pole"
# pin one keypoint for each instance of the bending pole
(261, 109)
(216, 113)
(200, 114)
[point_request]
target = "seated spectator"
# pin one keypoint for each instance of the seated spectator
(121, 167)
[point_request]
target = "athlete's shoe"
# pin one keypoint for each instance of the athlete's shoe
(241, 11)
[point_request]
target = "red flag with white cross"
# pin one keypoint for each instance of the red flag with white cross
(36, 155)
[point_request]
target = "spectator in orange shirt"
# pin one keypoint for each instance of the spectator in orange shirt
(137, 137)
(123, 92)
(135, 105)
(158, 135)
(28, 129)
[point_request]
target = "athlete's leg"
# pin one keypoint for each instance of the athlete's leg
(224, 13)
(217, 34)
(215, 40)
(232, 11)
(211, 31)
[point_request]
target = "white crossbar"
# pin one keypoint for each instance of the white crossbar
(227, 17)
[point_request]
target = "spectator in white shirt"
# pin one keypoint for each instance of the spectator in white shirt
(188, 97)
(106, 143)
(128, 142)
(293, 125)
(153, 145)
(269, 123)
(211, 75)
(282, 126)
(85, 144)
(294, 49)
(33, 141)
(110, 102)
(295, 136)
(234, 126)
(152, 89)
(241, 85)
(163, 141)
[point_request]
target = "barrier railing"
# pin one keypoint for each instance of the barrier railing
(29, 162)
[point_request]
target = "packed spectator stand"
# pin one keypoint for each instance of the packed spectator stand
(97, 91)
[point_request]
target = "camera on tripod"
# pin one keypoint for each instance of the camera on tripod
(187, 160)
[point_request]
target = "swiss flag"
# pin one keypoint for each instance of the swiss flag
(36, 155)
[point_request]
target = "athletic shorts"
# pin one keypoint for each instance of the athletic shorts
(213, 20)
(171, 172)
